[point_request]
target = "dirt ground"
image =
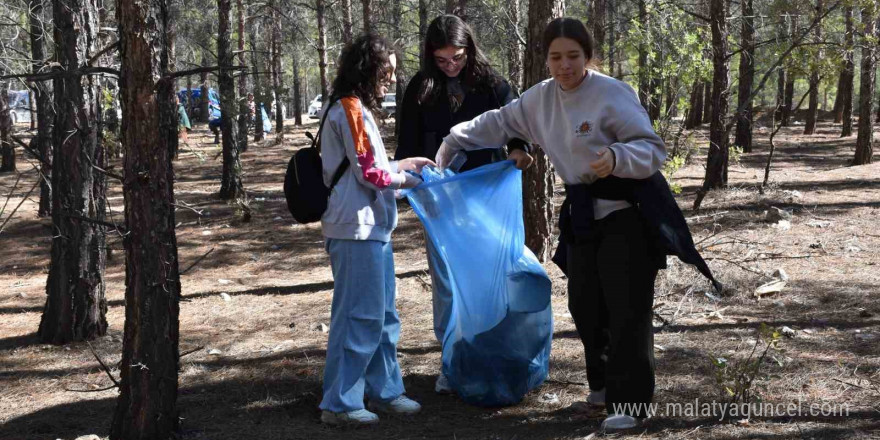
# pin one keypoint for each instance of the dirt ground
(263, 380)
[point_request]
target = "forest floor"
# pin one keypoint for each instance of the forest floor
(263, 380)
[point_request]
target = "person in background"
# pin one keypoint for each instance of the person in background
(361, 214)
(456, 84)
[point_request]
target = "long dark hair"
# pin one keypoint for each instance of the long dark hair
(574, 29)
(363, 65)
(450, 30)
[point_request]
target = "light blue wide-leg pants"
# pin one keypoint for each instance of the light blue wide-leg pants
(364, 327)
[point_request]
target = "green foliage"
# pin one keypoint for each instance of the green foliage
(743, 380)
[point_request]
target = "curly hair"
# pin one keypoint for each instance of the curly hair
(363, 66)
(450, 30)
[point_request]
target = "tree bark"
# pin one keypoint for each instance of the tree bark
(695, 112)
(746, 77)
(514, 49)
(297, 92)
(402, 80)
(147, 403)
(258, 89)
(707, 102)
(368, 15)
(813, 111)
(244, 119)
(75, 305)
(204, 114)
(612, 34)
(538, 179)
(45, 112)
(346, 23)
(596, 23)
(277, 74)
(716, 166)
(423, 29)
(322, 50)
(849, 68)
(865, 140)
(7, 151)
(230, 183)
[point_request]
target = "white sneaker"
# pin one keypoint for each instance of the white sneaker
(400, 405)
(442, 385)
(596, 398)
(620, 422)
(356, 417)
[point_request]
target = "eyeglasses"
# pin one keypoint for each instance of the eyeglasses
(456, 60)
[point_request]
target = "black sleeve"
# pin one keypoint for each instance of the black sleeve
(409, 133)
(505, 95)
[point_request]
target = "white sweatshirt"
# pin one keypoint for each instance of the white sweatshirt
(571, 126)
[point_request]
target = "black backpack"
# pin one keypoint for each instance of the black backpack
(304, 181)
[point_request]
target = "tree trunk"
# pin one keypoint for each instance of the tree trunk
(612, 34)
(397, 36)
(813, 111)
(707, 102)
(644, 69)
(514, 49)
(716, 166)
(596, 23)
(244, 119)
(746, 78)
(297, 92)
(849, 68)
(7, 152)
(368, 15)
(865, 140)
(75, 306)
(258, 89)
(838, 97)
(322, 50)
(230, 183)
(781, 79)
(346, 23)
(277, 75)
(147, 403)
(204, 114)
(423, 29)
(788, 106)
(538, 179)
(695, 112)
(45, 111)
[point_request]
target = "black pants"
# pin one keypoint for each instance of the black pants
(610, 296)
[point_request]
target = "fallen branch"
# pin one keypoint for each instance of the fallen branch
(705, 216)
(91, 391)
(191, 351)
(199, 260)
(103, 365)
(735, 263)
(37, 182)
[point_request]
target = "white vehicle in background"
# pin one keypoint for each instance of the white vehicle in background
(19, 106)
(389, 105)
(315, 108)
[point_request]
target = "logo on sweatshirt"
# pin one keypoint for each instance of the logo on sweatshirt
(584, 129)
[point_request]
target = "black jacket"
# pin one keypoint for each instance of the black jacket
(666, 227)
(423, 127)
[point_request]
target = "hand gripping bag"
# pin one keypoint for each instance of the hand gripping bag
(497, 344)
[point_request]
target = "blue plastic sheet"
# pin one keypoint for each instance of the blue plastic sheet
(497, 344)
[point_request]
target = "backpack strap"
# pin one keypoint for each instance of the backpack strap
(316, 144)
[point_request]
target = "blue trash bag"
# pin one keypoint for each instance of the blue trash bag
(267, 124)
(497, 343)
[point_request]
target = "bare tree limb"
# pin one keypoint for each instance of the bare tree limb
(103, 365)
